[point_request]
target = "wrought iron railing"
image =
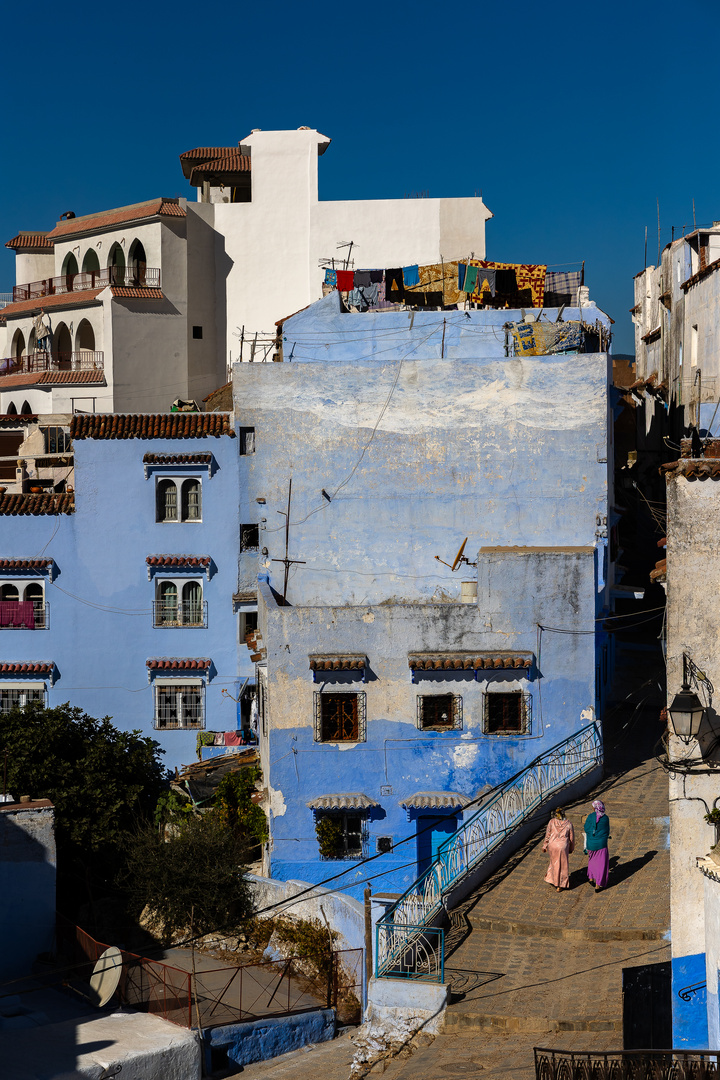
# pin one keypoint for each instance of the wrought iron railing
(627, 1065)
(146, 276)
(502, 811)
(31, 363)
(183, 613)
(24, 615)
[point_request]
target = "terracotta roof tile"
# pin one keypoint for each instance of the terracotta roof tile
(25, 564)
(91, 376)
(27, 669)
(660, 571)
(177, 459)
(137, 292)
(151, 426)
(692, 469)
(466, 661)
(232, 163)
(334, 662)
(705, 272)
(29, 504)
(178, 663)
(62, 300)
(107, 218)
(7, 420)
(212, 155)
(31, 241)
(178, 560)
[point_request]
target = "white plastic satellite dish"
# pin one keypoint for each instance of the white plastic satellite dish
(105, 977)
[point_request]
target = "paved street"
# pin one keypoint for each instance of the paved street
(531, 967)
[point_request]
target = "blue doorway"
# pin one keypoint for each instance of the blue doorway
(432, 831)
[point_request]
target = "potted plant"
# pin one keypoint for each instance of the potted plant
(713, 818)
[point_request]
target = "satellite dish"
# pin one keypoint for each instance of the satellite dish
(105, 977)
(459, 555)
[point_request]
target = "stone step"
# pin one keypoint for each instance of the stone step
(456, 1021)
(565, 933)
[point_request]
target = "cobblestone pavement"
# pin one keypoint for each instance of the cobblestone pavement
(532, 967)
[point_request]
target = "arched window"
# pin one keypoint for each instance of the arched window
(18, 344)
(116, 262)
(84, 337)
(167, 506)
(26, 410)
(35, 594)
(91, 263)
(137, 263)
(12, 409)
(9, 592)
(63, 346)
(167, 613)
(192, 609)
(69, 269)
(191, 508)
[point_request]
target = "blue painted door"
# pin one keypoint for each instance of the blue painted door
(432, 831)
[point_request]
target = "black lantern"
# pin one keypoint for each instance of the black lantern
(687, 710)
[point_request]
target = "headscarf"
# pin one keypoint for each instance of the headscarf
(599, 808)
(559, 813)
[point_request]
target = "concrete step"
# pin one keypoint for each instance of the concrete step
(564, 933)
(465, 1022)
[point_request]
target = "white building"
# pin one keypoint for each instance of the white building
(150, 302)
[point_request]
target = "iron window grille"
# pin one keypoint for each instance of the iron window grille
(507, 713)
(340, 717)
(249, 537)
(15, 612)
(439, 712)
(180, 603)
(352, 835)
(12, 697)
(179, 705)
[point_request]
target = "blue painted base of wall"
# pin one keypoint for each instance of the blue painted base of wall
(689, 1002)
(265, 1039)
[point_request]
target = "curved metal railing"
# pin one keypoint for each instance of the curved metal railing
(502, 811)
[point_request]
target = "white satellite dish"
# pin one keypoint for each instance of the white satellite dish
(105, 977)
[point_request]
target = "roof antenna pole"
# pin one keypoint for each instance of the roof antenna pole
(288, 562)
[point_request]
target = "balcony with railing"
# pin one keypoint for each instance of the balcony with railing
(142, 276)
(167, 613)
(627, 1065)
(24, 615)
(36, 362)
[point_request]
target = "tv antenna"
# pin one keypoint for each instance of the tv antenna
(459, 559)
(288, 562)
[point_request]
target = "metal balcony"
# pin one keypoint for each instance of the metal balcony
(172, 615)
(141, 276)
(24, 615)
(36, 362)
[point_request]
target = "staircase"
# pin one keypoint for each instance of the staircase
(410, 939)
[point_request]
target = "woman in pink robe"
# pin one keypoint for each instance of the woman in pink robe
(560, 842)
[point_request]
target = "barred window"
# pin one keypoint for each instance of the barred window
(342, 834)
(17, 697)
(339, 717)
(507, 713)
(439, 712)
(178, 705)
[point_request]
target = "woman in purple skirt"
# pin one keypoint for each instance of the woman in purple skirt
(597, 834)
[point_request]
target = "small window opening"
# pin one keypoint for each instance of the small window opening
(247, 440)
(197, 332)
(505, 713)
(249, 537)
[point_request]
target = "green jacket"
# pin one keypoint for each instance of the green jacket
(596, 832)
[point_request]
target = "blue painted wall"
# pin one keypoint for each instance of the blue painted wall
(419, 445)
(689, 1002)
(101, 628)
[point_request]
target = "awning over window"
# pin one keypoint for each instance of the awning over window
(353, 800)
(338, 662)
(435, 800)
(469, 661)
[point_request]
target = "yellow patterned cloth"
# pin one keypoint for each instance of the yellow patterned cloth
(438, 278)
(527, 275)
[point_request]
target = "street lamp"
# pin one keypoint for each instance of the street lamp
(687, 710)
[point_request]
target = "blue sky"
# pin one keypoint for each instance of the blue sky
(571, 119)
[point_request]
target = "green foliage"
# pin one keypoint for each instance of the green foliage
(713, 816)
(308, 938)
(171, 807)
(101, 780)
(235, 808)
(192, 881)
(329, 833)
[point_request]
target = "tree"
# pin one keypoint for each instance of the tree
(101, 780)
(189, 874)
(237, 811)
